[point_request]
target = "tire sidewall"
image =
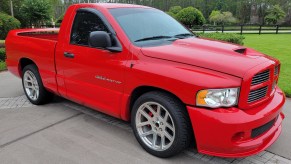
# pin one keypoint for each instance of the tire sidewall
(34, 70)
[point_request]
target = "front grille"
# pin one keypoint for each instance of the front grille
(257, 94)
(262, 129)
(261, 77)
(276, 72)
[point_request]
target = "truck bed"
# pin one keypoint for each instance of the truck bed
(37, 45)
(47, 34)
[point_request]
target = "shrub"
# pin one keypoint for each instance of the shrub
(7, 23)
(3, 66)
(60, 20)
(171, 14)
(2, 44)
(190, 16)
(175, 9)
(227, 37)
(2, 54)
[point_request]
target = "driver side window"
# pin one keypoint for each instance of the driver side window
(84, 24)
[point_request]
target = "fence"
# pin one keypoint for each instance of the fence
(244, 29)
(240, 29)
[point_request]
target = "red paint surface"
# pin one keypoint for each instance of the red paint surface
(182, 68)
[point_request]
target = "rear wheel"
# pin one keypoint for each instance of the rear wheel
(33, 86)
(161, 124)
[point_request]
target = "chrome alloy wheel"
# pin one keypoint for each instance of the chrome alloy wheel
(31, 85)
(155, 126)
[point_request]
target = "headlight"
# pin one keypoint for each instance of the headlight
(214, 98)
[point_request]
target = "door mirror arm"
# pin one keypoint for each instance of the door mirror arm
(114, 49)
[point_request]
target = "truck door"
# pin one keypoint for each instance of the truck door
(93, 77)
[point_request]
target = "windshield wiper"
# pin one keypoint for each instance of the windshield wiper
(184, 35)
(153, 38)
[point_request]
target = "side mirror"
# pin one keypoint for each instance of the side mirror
(99, 39)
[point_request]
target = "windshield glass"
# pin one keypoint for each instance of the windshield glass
(149, 26)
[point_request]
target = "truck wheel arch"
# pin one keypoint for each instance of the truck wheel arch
(137, 92)
(24, 62)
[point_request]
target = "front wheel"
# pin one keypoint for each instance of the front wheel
(33, 86)
(161, 124)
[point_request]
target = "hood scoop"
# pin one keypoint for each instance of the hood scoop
(241, 50)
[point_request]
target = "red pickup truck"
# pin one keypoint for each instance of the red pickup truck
(138, 64)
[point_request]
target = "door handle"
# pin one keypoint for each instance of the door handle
(69, 55)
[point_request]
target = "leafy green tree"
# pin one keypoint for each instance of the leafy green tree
(218, 17)
(7, 23)
(274, 15)
(171, 14)
(228, 18)
(60, 20)
(36, 12)
(175, 9)
(190, 16)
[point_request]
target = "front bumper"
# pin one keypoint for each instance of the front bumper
(228, 132)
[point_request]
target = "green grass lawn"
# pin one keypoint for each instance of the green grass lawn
(2, 66)
(278, 46)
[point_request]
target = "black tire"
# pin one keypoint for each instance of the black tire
(44, 95)
(180, 117)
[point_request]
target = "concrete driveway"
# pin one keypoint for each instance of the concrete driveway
(65, 132)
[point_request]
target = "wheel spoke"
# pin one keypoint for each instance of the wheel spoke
(37, 94)
(154, 139)
(143, 124)
(168, 136)
(34, 94)
(163, 144)
(159, 111)
(166, 117)
(146, 115)
(28, 81)
(30, 87)
(169, 126)
(147, 133)
(151, 109)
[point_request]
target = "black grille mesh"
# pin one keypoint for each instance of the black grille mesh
(261, 77)
(257, 94)
(262, 129)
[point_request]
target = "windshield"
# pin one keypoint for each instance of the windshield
(149, 26)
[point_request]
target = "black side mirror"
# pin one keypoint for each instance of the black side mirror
(99, 39)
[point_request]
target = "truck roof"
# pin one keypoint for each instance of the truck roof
(114, 5)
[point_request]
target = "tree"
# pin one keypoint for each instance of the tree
(175, 9)
(218, 17)
(190, 16)
(274, 15)
(228, 18)
(171, 14)
(36, 12)
(7, 23)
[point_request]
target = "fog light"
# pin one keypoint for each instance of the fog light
(238, 136)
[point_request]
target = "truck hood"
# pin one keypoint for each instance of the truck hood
(220, 56)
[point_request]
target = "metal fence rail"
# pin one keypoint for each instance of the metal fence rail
(244, 29)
